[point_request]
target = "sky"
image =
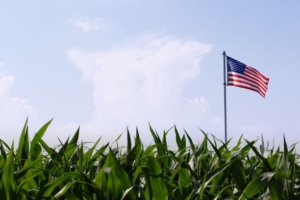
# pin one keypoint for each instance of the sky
(108, 65)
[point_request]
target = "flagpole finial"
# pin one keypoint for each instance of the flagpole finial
(224, 53)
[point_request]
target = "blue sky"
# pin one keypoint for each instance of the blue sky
(105, 65)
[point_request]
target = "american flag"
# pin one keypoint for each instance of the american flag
(241, 75)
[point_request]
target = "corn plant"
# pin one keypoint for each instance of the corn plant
(210, 170)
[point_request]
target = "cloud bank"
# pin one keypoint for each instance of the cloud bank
(13, 109)
(143, 81)
(12, 105)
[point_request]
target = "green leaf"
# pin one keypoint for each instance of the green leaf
(149, 191)
(137, 138)
(238, 144)
(256, 185)
(114, 183)
(73, 143)
(51, 152)
(28, 183)
(80, 156)
(218, 153)
(23, 148)
(155, 136)
(184, 179)
(178, 140)
(119, 174)
(128, 141)
(129, 189)
(35, 149)
(222, 191)
(47, 190)
(3, 152)
(190, 141)
(264, 160)
(118, 138)
(63, 148)
(8, 180)
(74, 140)
(63, 190)
(238, 173)
(275, 190)
(28, 165)
(157, 182)
(100, 151)
(212, 174)
(88, 155)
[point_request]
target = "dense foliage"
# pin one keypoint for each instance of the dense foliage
(210, 170)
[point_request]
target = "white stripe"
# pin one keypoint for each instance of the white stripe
(263, 85)
(258, 77)
(249, 82)
(245, 85)
(253, 70)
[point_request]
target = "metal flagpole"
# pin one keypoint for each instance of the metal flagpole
(225, 84)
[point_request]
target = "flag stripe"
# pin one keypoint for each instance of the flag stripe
(238, 77)
(246, 87)
(257, 73)
(230, 82)
(243, 76)
(258, 78)
(246, 83)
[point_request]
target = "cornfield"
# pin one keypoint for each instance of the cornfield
(210, 170)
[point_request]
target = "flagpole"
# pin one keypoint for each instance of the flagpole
(225, 84)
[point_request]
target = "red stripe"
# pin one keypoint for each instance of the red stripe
(248, 83)
(250, 79)
(245, 84)
(254, 76)
(257, 72)
(254, 87)
(241, 86)
(244, 77)
(245, 81)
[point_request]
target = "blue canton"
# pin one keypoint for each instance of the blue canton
(235, 66)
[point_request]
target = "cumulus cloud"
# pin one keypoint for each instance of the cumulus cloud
(86, 25)
(12, 107)
(144, 81)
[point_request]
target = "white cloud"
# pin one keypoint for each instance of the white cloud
(217, 120)
(201, 102)
(87, 25)
(144, 81)
(12, 107)
(13, 110)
